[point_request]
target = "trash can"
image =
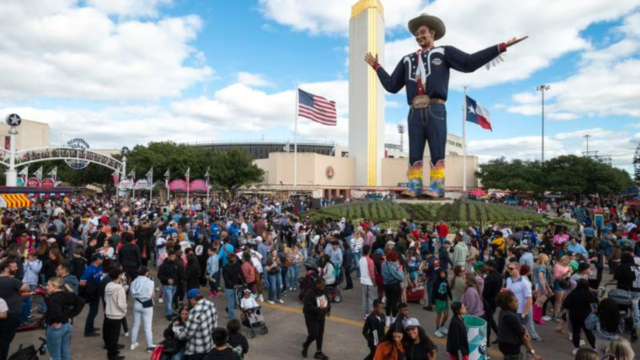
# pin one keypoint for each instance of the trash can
(477, 336)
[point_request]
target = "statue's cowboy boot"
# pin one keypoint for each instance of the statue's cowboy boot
(436, 185)
(415, 181)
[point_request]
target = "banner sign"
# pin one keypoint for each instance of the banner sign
(48, 183)
(178, 185)
(198, 185)
(126, 184)
(33, 182)
(143, 184)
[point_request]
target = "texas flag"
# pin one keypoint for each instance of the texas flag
(477, 114)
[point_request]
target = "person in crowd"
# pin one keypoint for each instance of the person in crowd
(10, 291)
(366, 271)
(393, 278)
(443, 255)
(620, 349)
(373, 328)
(524, 275)
(458, 286)
(522, 289)
(457, 341)
(416, 343)
(170, 274)
(221, 349)
(442, 297)
(580, 303)
(471, 298)
(64, 305)
(391, 347)
(193, 271)
(273, 269)
(587, 354)
(63, 272)
(115, 310)
(541, 286)
(213, 272)
(174, 347)
(460, 252)
(606, 324)
(249, 270)
(90, 288)
(129, 256)
(512, 335)
(490, 291)
(143, 293)
(78, 264)
(32, 266)
(315, 309)
(199, 329)
(233, 279)
(328, 271)
(236, 340)
(347, 264)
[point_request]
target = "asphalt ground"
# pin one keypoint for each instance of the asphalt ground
(343, 334)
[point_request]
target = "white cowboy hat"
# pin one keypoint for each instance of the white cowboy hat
(430, 21)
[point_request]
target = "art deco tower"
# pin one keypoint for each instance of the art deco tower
(366, 95)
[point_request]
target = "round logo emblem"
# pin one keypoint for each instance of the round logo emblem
(329, 172)
(436, 62)
(14, 120)
(77, 144)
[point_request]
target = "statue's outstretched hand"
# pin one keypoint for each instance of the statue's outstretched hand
(370, 59)
(515, 41)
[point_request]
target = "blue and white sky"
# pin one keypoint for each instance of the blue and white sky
(126, 72)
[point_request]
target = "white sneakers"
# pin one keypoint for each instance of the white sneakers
(281, 301)
(270, 302)
(161, 300)
(260, 298)
(437, 333)
(134, 346)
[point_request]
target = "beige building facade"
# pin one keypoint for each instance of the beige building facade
(334, 176)
(31, 135)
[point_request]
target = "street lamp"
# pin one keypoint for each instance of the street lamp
(542, 89)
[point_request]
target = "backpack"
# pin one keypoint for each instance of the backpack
(91, 290)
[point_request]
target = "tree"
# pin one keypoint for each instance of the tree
(515, 175)
(235, 168)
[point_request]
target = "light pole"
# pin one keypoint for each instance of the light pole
(587, 137)
(542, 88)
(13, 120)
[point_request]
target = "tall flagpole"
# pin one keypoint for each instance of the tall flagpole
(295, 142)
(464, 140)
(208, 176)
(151, 187)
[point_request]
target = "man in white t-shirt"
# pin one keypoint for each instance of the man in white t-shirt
(367, 280)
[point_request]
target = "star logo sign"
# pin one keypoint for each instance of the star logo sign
(472, 110)
(13, 120)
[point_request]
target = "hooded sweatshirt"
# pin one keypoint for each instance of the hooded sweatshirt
(141, 288)
(116, 301)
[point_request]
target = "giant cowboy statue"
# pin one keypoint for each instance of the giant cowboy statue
(426, 76)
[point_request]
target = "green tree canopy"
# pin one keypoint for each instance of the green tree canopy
(568, 174)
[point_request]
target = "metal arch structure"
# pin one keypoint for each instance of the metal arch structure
(29, 156)
(636, 164)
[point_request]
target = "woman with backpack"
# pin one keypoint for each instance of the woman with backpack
(142, 291)
(64, 305)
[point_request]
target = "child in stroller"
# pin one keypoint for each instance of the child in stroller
(251, 313)
(332, 276)
(628, 303)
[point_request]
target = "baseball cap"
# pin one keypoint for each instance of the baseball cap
(448, 242)
(258, 238)
(379, 251)
(410, 323)
(193, 293)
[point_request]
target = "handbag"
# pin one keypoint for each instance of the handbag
(146, 304)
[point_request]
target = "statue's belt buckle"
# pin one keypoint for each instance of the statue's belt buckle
(420, 102)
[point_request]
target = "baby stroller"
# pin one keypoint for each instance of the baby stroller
(415, 294)
(251, 318)
(625, 300)
(30, 352)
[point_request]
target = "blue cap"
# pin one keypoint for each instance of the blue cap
(193, 293)
(379, 251)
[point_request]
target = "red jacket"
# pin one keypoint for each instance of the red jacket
(443, 230)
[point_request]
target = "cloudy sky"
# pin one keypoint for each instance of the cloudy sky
(126, 72)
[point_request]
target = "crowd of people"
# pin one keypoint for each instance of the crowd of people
(92, 251)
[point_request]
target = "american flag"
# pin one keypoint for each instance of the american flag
(316, 108)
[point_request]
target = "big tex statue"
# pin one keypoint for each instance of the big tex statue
(425, 73)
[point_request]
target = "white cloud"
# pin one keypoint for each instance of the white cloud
(554, 32)
(229, 107)
(129, 8)
(58, 49)
(607, 82)
(256, 80)
(595, 133)
(332, 16)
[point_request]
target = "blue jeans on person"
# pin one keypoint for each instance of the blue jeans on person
(27, 303)
(231, 302)
(292, 276)
(58, 341)
(430, 293)
(356, 262)
(442, 240)
(169, 292)
(427, 125)
(177, 356)
(94, 306)
(275, 285)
